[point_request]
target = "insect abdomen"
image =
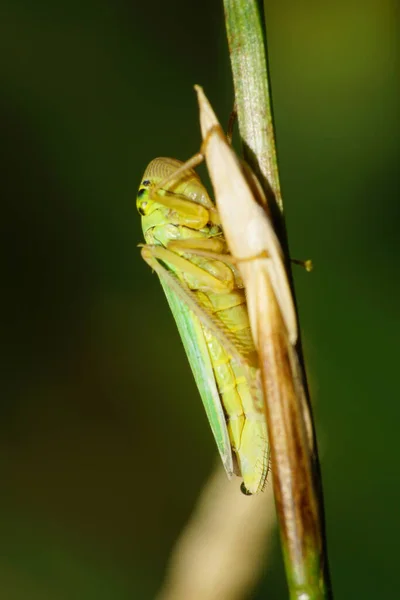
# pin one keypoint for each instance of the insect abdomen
(241, 394)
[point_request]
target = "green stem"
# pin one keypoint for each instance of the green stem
(299, 504)
(252, 90)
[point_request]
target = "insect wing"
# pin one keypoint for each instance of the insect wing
(192, 335)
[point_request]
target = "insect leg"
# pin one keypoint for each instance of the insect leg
(307, 264)
(152, 254)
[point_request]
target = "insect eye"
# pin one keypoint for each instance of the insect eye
(142, 209)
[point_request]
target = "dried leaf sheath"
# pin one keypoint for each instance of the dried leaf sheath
(285, 395)
(246, 223)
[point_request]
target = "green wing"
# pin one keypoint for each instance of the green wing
(191, 332)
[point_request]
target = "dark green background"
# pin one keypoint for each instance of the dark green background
(103, 442)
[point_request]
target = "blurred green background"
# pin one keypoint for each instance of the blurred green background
(104, 445)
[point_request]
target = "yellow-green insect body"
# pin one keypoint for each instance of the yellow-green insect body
(186, 247)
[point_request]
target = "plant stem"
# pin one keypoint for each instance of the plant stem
(295, 464)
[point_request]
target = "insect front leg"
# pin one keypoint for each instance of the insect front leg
(218, 261)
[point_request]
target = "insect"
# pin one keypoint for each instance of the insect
(185, 246)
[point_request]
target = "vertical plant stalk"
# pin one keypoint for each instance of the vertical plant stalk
(294, 463)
